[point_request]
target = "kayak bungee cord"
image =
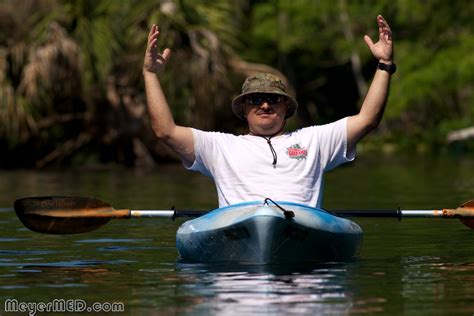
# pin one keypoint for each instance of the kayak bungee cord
(288, 214)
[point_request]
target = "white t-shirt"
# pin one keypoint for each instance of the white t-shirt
(242, 168)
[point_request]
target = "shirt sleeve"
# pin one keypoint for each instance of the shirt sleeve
(205, 147)
(332, 139)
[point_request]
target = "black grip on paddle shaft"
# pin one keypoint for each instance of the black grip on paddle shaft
(366, 213)
(191, 214)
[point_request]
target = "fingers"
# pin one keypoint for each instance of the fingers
(152, 47)
(383, 48)
(385, 32)
(153, 35)
(163, 57)
(152, 30)
(381, 22)
(166, 53)
(368, 41)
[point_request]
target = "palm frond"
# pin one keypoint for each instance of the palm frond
(53, 67)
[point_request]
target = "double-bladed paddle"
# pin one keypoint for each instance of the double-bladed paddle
(76, 214)
(72, 215)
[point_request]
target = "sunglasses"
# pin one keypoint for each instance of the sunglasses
(258, 99)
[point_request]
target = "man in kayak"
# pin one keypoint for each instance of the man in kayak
(268, 161)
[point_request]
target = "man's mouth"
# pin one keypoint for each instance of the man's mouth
(264, 113)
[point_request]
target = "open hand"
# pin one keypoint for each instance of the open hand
(154, 60)
(383, 49)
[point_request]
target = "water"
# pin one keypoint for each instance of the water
(422, 266)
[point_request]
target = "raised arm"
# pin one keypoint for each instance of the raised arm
(179, 138)
(373, 106)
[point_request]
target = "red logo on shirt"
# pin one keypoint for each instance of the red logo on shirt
(296, 152)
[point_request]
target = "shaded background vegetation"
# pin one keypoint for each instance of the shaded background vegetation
(71, 90)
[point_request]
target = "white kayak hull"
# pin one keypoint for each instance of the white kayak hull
(261, 234)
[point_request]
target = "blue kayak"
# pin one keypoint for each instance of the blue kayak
(260, 233)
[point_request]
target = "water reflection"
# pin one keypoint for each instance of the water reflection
(54, 274)
(250, 289)
(426, 281)
(419, 279)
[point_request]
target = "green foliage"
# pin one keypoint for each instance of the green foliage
(82, 64)
(93, 52)
(432, 92)
(282, 27)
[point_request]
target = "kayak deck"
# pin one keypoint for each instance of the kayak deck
(257, 233)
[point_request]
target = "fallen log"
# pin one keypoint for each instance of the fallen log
(460, 135)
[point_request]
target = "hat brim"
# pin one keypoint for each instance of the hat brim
(238, 109)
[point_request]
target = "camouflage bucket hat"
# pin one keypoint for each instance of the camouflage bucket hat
(262, 83)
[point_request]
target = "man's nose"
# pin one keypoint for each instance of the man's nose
(265, 105)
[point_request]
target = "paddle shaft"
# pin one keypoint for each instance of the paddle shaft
(444, 213)
(71, 215)
(165, 213)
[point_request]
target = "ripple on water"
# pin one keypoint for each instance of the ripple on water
(113, 240)
(12, 239)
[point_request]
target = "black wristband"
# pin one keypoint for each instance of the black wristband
(388, 68)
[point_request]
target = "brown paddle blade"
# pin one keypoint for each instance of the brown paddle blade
(65, 214)
(468, 206)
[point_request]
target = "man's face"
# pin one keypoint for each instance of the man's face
(265, 113)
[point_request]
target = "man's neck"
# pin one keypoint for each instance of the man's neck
(269, 134)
